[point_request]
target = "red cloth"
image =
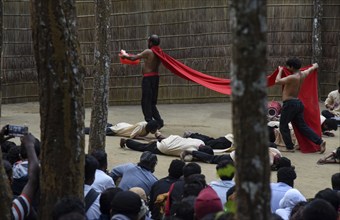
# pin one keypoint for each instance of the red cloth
(214, 83)
(308, 93)
(309, 97)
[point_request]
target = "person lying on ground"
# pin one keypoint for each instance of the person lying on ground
(136, 131)
(224, 142)
(333, 157)
(173, 145)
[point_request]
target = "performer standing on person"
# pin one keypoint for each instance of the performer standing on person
(292, 109)
(150, 80)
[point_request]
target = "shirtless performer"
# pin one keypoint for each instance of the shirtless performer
(150, 80)
(292, 109)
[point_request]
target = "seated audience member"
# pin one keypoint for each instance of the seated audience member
(5, 148)
(225, 171)
(184, 211)
(105, 200)
(21, 206)
(207, 202)
(177, 188)
(330, 196)
(287, 203)
(137, 131)
(215, 143)
(336, 181)
(69, 208)
(102, 180)
(13, 154)
(162, 186)
(173, 145)
(137, 175)
(318, 209)
(91, 196)
(333, 157)
(285, 182)
(332, 104)
(144, 210)
(126, 205)
(296, 213)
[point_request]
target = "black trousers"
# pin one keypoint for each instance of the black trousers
(138, 146)
(149, 99)
(218, 143)
(292, 111)
(208, 158)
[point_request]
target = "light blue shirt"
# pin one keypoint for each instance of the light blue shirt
(133, 176)
(278, 191)
(221, 187)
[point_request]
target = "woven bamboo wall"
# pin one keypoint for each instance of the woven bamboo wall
(196, 32)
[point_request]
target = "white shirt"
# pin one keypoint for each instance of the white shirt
(174, 145)
(94, 211)
(333, 99)
(272, 153)
(102, 181)
(128, 130)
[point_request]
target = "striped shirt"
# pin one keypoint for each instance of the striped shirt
(21, 207)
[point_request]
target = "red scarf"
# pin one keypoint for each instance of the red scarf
(308, 94)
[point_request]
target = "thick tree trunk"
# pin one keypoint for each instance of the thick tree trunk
(61, 95)
(101, 77)
(249, 99)
(1, 53)
(5, 193)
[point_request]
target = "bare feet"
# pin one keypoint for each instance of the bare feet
(323, 147)
(122, 142)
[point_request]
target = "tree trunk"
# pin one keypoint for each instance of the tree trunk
(61, 96)
(101, 77)
(5, 193)
(1, 53)
(316, 36)
(249, 99)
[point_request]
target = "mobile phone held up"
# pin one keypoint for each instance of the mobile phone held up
(16, 130)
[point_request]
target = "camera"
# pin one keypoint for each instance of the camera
(16, 130)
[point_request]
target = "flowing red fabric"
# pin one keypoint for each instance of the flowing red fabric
(308, 93)
(214, 83)
(309, 97)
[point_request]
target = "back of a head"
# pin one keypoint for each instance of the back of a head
(331, 124)
(336, 181)
(13, 154)
(194, 184)
(127, 203)
(330, 196)
(140, 192)
(148, 161)
(182, 211)
(191, 168)
(6, 146)
(91, 164)
(152, 126)
(286, 175)
(225, 169)
(319, 209)
(106, 198)
(207, 202)
(176, 168)
(154, 39)
(295, 63)
(296, 213)
(101, 157)
(69, 208)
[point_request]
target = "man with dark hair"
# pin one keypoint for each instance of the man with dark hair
(330, 196)
(332, 104)
(336, 181)
(293, 108)
(318, 209)
(225, 170)
(163, 185)
(105, 201)
(126, 205)
(69, 208)
(285, 181)
(91, 196)
(102, 179)
(137, 175)
(150, 79)
(173, 145)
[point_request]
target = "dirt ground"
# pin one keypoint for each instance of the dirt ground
(213, 119)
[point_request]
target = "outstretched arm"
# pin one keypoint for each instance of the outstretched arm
(132, 57)
(306, 72)
(279, 79)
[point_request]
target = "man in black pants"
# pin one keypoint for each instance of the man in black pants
(150, 80)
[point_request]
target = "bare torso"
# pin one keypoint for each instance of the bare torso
(151, 61)
(292, 86)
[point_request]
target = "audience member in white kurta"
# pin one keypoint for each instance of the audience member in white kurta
(226, 171)
(102, 180)
(287, 203)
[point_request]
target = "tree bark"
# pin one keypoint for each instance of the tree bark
(249, 99)
(100, 94)
(5, 193)
(1, 52)
(61, 97)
